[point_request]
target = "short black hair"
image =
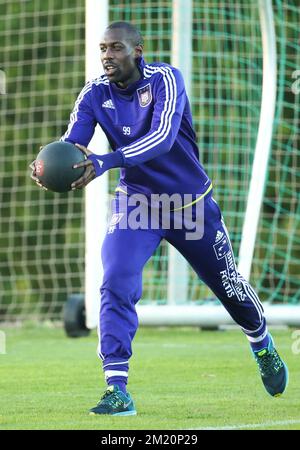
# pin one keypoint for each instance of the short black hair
(134, 33)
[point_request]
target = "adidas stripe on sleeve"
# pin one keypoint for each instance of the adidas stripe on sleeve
(82, 119)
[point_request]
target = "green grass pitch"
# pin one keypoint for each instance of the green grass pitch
(179, 378)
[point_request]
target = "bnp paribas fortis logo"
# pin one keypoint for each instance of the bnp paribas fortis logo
(2, 82)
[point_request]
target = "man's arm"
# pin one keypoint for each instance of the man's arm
(80, 131)
(82, 120)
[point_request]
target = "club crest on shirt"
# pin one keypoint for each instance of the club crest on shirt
(145, 95)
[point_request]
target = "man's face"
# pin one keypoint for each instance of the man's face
(118, 57)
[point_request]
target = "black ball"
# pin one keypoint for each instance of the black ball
(54, 165)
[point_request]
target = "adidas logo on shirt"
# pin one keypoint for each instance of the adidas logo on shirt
(108, 104)
(219, 236)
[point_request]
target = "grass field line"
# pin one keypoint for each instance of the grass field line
(252, 425)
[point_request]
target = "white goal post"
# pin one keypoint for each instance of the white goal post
(96, 193)
(182, 59)
(264, 138)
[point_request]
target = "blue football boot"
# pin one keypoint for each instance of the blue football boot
(114, 402)
(273, 371)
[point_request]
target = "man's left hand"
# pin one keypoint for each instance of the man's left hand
(96, 165)
(89, 173)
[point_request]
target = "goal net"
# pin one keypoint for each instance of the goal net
(42, 251)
